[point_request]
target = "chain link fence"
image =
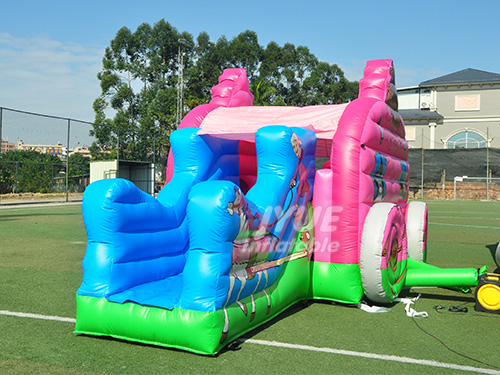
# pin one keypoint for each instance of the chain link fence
(462, 174)
(434, 173)
(35, 157)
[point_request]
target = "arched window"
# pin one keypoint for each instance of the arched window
(466, 139)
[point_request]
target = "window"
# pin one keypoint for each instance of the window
(466, 139)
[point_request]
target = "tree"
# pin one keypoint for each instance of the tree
(26, 171)
(79, 165)
(262, 92)
(139, 83)
(327, 85)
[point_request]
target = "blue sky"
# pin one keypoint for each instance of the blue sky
(51, 51)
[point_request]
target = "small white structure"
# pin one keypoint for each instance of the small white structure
(140, 173)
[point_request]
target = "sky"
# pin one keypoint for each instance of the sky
(51, 50)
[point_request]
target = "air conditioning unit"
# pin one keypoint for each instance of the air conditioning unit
(425, 99)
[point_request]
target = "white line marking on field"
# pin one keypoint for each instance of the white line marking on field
(464, 225)
(37, 316)
(383, 357)
(434, 216)
(351, 353)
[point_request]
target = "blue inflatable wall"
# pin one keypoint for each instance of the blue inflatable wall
(195, 245)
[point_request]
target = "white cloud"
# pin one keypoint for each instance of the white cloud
(49, 76)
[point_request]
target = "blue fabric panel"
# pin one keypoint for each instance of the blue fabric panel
(134, 238)
(215, 215)
(162, 293)
(178, 250)
(212, 230)
(125, 224)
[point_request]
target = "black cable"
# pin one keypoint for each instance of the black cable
(450, 349)
(458, 309)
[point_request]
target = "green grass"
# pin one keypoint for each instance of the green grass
(41, 250)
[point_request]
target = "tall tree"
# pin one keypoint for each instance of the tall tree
(28, 171)
(140, 75)
(138, 83)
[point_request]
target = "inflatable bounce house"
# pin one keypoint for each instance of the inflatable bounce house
(246, 226)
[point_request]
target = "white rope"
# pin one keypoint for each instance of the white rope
(410, 311)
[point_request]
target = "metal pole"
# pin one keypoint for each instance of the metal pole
(180, 81)
(487, 164)
(154, 164)
(17, 181)
(1, 120)
(67, 160)
(118, 145)
(422, 182)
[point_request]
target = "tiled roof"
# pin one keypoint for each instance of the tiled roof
(419, 114)
(465, 76)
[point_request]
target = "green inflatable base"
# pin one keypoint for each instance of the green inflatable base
(195, 331)
(336, 282)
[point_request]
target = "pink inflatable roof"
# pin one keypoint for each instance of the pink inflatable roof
(243, 122)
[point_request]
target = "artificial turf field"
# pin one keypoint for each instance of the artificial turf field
(41, 249)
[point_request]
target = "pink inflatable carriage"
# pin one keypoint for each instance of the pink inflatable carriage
(364, 227)
(245, 226)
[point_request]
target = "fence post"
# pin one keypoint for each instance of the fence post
(17, 181)
(487, 164)
(67, 160)
(1, 123)
(422, 182)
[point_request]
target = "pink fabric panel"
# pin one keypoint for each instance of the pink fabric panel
(345, 165)
(194, 117)
(376, 137)
(370, 164)
(394, 191)
(378, 67)
(375, 87)
(248, 165)
(396, 230)
(231, 91)
(388, 118)
(376, 79)
(243, 122)
(324, 225)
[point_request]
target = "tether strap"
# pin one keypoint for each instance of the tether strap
(277, 262)
(410, 311)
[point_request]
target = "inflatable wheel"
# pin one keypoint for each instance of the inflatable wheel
(416, 230)
(383, 252)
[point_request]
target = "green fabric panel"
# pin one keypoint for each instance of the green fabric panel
(412, 264)
(336, 282)
(194, 331)
(389, 278)
(291, 287)
(441, 277)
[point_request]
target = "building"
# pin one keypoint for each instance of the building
(57, 150)
(6, 146)
(83, 150)
(458, 110)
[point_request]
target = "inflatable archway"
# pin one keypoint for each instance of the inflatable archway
(246, 226)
